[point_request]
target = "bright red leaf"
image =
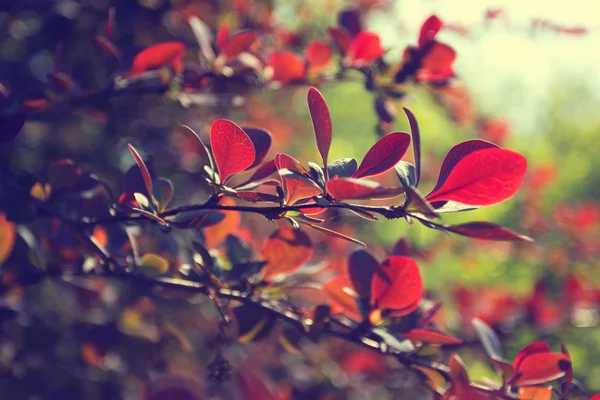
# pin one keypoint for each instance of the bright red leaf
(231, 147)
(237, 44)
(321, 120)
(364, 49)
(539, 368)
(436, 65)
(383, 155)
(483, 177)
(286, 66)
(159, 55)
(397, 285)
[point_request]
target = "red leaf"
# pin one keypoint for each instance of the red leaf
(321, 120)
(144, 171)
(350, 188)
(215, 234)
(428, 336)
(286, 66)
(341, 37)
(487, 231)
(397, 285)
(237, 44)
(569, 373)
(159, 55)
(285, 251)
(341, 292)
(539, 346)
(383, 155)
(436, 65)
(541, 367)
(298, 185)
(109, 49)
(364, 49)
(261, 139)
(456, 154)
(483, 178)
(231, 147)
(256, 196)
(261, 173)
(11, 125)
(429, 29)
(318, 54)
(222, 35)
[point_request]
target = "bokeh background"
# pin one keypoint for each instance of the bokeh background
(527, 80)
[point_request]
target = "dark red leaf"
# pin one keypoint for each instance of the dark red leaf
(261, 139)
(397, 285)
(483, 177)
(110, 23)
(458, 372)
(159, 55)
(429, 29)
(341, 37)
(286, 66)
(109, 49)
(11, 125)
(285, 251)
(256, 196)
(351, 188)
(237, 44)
(383, 155)
(361, 268)
(144, 171)
(321, 120)
(487, 231)
(350, 19)
(231, 147)
(429, 336)
(456, 154)
(566, 385)
(318, 54)
(364, 49)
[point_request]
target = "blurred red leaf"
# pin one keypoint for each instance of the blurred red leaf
(487, 231)
(535, 393)
(285, 251)
(341, 291)
(397, 285)
(159, 55)
(483, 177)
(361, 267)
(436, 65)
(383, 155)
(286, 66)
(8, 236)
(321, 120)
(341, 37)
(318, 54)
(364, 49)
(232, 149)
(429, 336)
(540, 367)
(215, 234)
(238, 43)
(144, 171)
(429, 30)
(222, 35)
